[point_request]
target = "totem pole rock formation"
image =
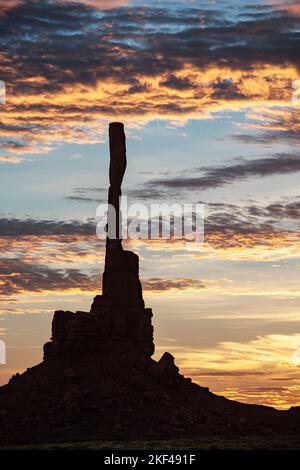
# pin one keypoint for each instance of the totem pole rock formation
(117, 317)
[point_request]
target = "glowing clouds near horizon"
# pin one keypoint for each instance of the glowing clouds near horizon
(264, 370)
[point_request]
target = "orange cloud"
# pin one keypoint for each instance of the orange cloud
(264, 370)
(8, 4)
(260, 246)
(79, 114)
(288, 5)
(10, 159)
(295, 9)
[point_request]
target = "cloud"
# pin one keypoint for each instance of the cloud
(288, 5)
(87, 195)
(10, 159)
(102, 4)
(178, 83)
(222, 175)
(17, 277)
(160, 285)
(242, 370)
(277, 210)
(80, 68)
(51, 243)
(147, 193)
(83, 199)
(98, 195)
(271, 127)
(23, 227)
(250, 232)
(8, 4)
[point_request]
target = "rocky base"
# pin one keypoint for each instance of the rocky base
(120, 394)
(88, 334)
(98, 381)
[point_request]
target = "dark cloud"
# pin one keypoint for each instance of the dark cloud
(259, 390)
(87, 195)
(137, 87)
(18, 276)
(177, 83)
(219, 176)
(84, 199)
(284, 127)
(277, 210)
(228, 222)
(82, 190)
(227, 374)
(285, 379)
(14, 227)
(253, 219)
(224, 88)
(146, 193)
(158, 284)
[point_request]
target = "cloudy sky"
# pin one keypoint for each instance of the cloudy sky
(205, 92)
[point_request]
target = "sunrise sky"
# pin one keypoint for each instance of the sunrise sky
(205, 91)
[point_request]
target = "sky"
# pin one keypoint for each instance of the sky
(205, 90)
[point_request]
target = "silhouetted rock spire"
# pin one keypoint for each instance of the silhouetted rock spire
(121, 284)
(118, 318)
